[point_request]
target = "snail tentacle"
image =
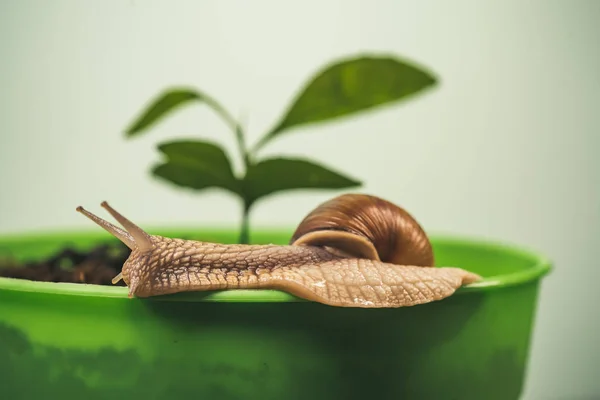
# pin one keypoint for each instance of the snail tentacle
(142, 240)
(117, 232)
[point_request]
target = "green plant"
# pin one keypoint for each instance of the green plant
(340, 89)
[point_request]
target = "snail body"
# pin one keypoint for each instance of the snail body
(352, 251)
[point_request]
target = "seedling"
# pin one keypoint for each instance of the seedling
(342, 88)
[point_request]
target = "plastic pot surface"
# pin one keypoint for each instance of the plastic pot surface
(75, 341)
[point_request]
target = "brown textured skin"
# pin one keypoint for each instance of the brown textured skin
(396, 235)
(312, 273)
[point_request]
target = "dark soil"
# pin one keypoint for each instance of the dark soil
(96, 266)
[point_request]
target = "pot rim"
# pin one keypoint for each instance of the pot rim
(540, 267)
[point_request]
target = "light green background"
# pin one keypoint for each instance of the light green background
(504, 149)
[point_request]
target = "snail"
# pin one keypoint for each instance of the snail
(355, 250)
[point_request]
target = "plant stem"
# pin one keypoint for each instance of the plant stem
(260, 144)
(220, 110)
(245, 229)
(245, 154)
(239, 133)
(233, 124)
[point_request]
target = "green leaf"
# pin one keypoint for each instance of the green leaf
(279, 174)
(162, 105)
(199, 152)
(350, 86)
(197, 165)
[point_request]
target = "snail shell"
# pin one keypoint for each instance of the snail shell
(367, 227)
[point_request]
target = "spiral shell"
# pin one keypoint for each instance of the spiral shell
(369, 227)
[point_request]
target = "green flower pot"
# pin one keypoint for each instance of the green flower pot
(88, 342)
